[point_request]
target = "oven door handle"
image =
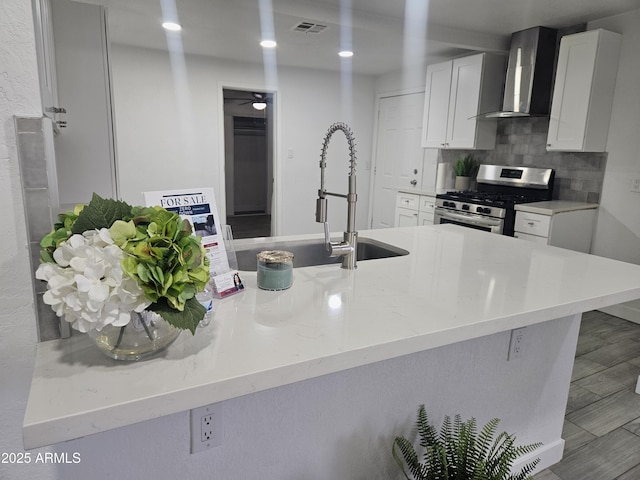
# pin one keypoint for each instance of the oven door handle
(469, 218)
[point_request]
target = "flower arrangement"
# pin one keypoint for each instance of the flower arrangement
(107, 259)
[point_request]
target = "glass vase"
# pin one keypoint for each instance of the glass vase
(147, 334)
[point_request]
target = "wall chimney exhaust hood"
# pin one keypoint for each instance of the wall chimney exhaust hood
(527, 89)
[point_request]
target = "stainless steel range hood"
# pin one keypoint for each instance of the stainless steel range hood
(529, 82)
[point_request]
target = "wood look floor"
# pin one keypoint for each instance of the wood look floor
(602, 423)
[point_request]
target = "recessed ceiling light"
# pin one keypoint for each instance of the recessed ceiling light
(268, 44)
(346, 53)
(172, 26)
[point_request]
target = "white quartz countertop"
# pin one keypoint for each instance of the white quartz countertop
(427, 193)
(552, 207)
(456, 284)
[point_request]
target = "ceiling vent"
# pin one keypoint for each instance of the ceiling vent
(309, 27)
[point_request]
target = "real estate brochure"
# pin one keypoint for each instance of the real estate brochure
(198, 206)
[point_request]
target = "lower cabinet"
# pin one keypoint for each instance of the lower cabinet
(572, 230)
(413, 209)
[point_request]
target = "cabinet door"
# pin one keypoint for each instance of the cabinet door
(436, 105)
(406, 217)
(466, 78)
(583, 95)
(427, 203)
(533, 223)
(425, 218)
(570, 106)
(408, 200)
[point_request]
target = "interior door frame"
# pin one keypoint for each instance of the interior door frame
(276, 197)
(374, 152)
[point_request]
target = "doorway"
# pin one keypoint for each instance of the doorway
(248, 131)
(399, 155)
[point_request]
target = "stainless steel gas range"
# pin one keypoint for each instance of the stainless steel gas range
(491, 207)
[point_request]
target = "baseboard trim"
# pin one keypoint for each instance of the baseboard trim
(549, 454)
(627, 311)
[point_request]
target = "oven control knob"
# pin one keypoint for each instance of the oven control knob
(487, 211)
(480, 210)
(465, 207)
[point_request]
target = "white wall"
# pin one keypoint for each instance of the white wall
(19, 95)
(618, 229)
(171, 137)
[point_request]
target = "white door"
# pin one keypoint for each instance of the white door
(399, 155)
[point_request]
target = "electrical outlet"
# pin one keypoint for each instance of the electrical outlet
(635, 184)
(516, 343)
(206, 427)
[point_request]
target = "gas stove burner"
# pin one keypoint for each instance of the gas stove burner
(494, 198)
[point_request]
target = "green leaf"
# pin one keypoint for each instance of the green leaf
(101, 213)
(121, 231)
(459, 452)
(143, 272)
(466, 166)
(188, 319)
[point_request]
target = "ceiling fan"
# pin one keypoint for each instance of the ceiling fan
(258, 100)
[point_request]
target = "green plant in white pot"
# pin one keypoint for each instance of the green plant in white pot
(459, 452)
(465, 168)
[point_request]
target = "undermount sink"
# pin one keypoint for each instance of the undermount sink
(307, 253)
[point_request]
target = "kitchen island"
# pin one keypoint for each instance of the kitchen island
(322, 376)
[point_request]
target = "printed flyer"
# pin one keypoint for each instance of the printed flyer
(198, 206)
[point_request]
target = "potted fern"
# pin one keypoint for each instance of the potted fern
(465, 169)
(458, 452)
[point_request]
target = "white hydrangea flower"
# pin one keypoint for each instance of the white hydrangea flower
(87, 286)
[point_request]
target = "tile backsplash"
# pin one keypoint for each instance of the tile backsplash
(40, 202)
(522, 142)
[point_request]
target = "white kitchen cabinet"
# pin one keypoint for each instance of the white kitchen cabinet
(558, 223)
(413, 209)
(456, 93)
(583, 92)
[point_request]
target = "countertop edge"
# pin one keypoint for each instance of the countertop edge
(40, 434)
(40, 430)
(554, 206)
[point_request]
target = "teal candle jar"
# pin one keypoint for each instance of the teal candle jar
(275, 270)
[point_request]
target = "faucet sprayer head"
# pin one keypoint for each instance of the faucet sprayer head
(350, 141)
(321, 210)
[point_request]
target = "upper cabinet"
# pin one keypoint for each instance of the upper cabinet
(583, 92)
(456, 93)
